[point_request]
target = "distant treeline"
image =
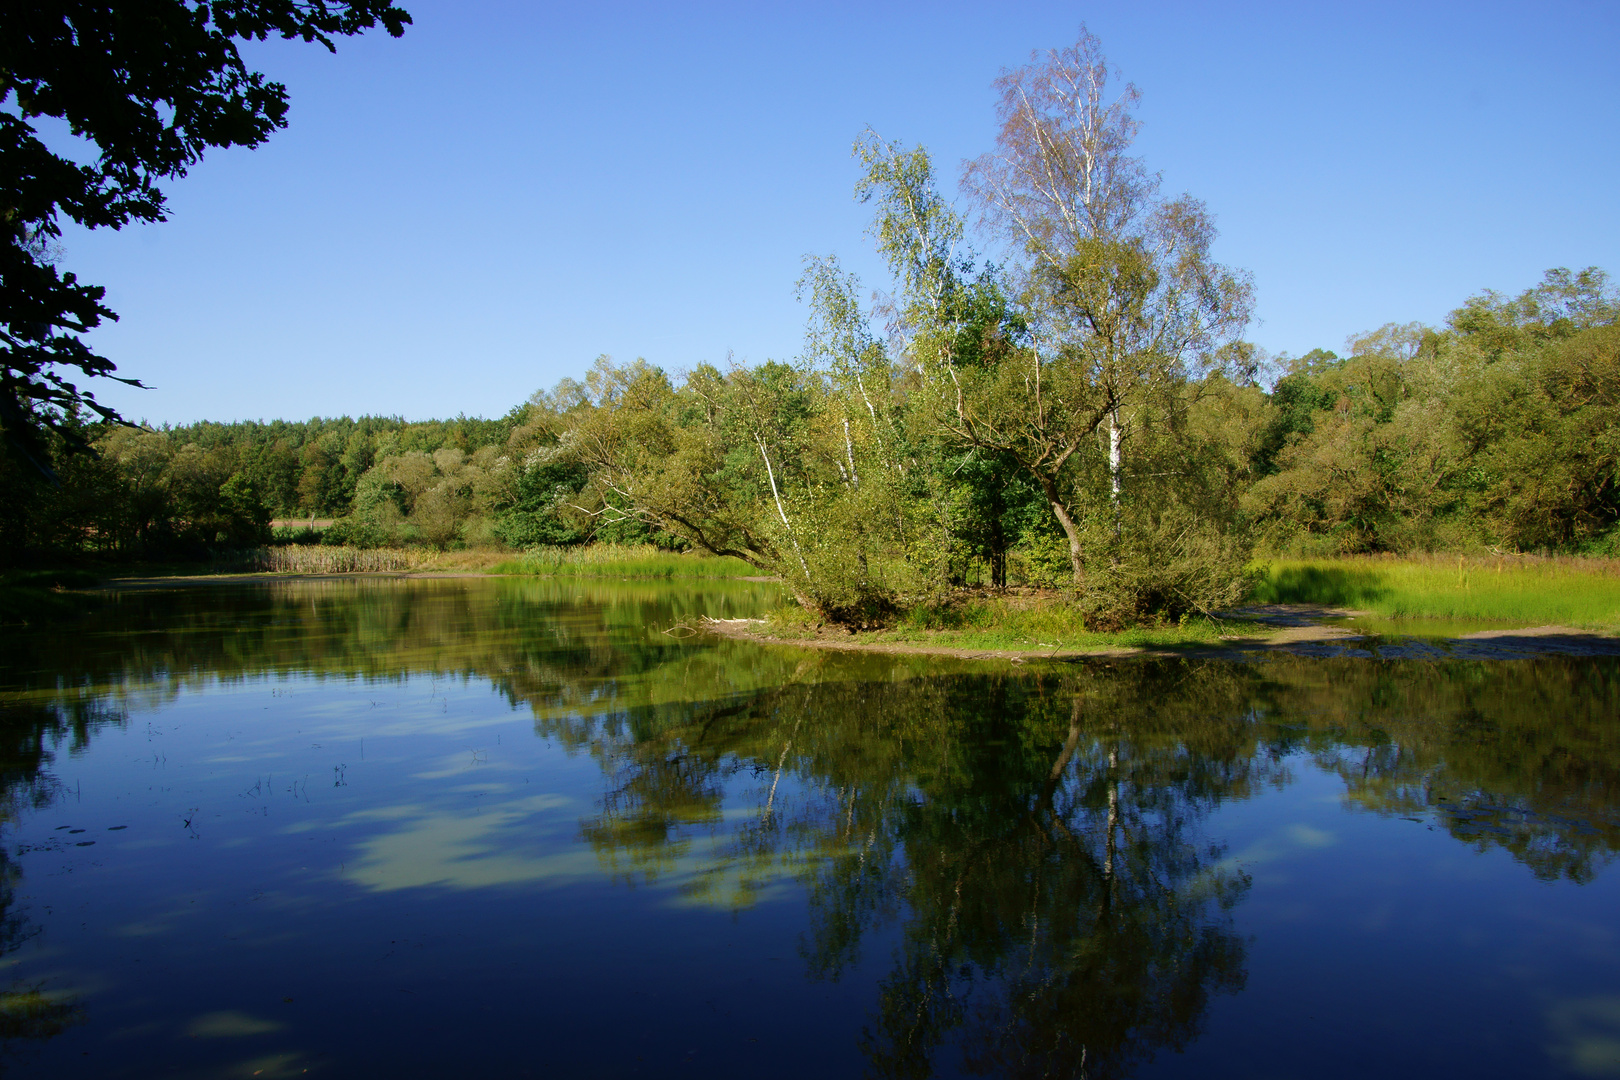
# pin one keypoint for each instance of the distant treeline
(312, 467)
(183, 491)
(1501, 428)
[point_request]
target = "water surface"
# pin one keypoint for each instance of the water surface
(540, 828)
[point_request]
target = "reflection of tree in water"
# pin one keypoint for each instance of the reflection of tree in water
(1059, 914)
(28, 732)
(1512, 754)
(1518, 755)
(529, 637)
(1063, 924)
(1035, 839)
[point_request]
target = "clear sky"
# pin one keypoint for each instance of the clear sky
(461, 216)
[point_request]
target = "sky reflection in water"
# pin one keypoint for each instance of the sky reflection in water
(384, 827)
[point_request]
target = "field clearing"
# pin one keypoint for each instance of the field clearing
(1529, 591)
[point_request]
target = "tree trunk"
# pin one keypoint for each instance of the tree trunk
(1113, 822)
(998, 542)
(849, 449)
(1070, 529)
(1116, 463)
(1068, 744)
(771, 473)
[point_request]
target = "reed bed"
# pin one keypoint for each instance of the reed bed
(623, 561)
(1526, 590)
(335, 560)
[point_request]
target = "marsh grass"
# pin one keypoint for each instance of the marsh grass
(1524, 590)
(335, 560)
(1016, 624)
(622, 561)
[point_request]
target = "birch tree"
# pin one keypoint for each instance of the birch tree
(1119, 280)
(986, 386)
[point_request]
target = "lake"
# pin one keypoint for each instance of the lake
(543, 828)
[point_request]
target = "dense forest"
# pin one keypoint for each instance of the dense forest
(1085, 415)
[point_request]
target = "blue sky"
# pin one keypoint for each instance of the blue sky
(461, 216)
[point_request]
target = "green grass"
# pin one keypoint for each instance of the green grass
(1527, 591)
(622, 561)
(1016, 626)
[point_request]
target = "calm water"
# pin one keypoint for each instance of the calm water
(379, 828)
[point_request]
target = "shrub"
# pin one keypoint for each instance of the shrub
(357, 533)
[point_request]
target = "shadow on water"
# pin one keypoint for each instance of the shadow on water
(1033, 837)
(30, 1013)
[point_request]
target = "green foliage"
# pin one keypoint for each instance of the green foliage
(296, 535)
(39, 519)
(1498, 431)
(359, 533)
(1013, 622)
(1168, 566)
(539, 514)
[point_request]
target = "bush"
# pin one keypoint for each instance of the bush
(1162, 569)
(518, 528)
(295, 536)
(356, 533)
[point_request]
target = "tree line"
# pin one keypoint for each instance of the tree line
(183, 491)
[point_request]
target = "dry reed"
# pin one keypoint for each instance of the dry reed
(335, 560)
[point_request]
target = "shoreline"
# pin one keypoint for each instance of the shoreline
(1285, 628)
(1298, 631)
(188, 580)
(1230, 646)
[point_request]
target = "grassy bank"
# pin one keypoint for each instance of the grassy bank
(1014, 624)
(622, 561)
(1527, 591)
